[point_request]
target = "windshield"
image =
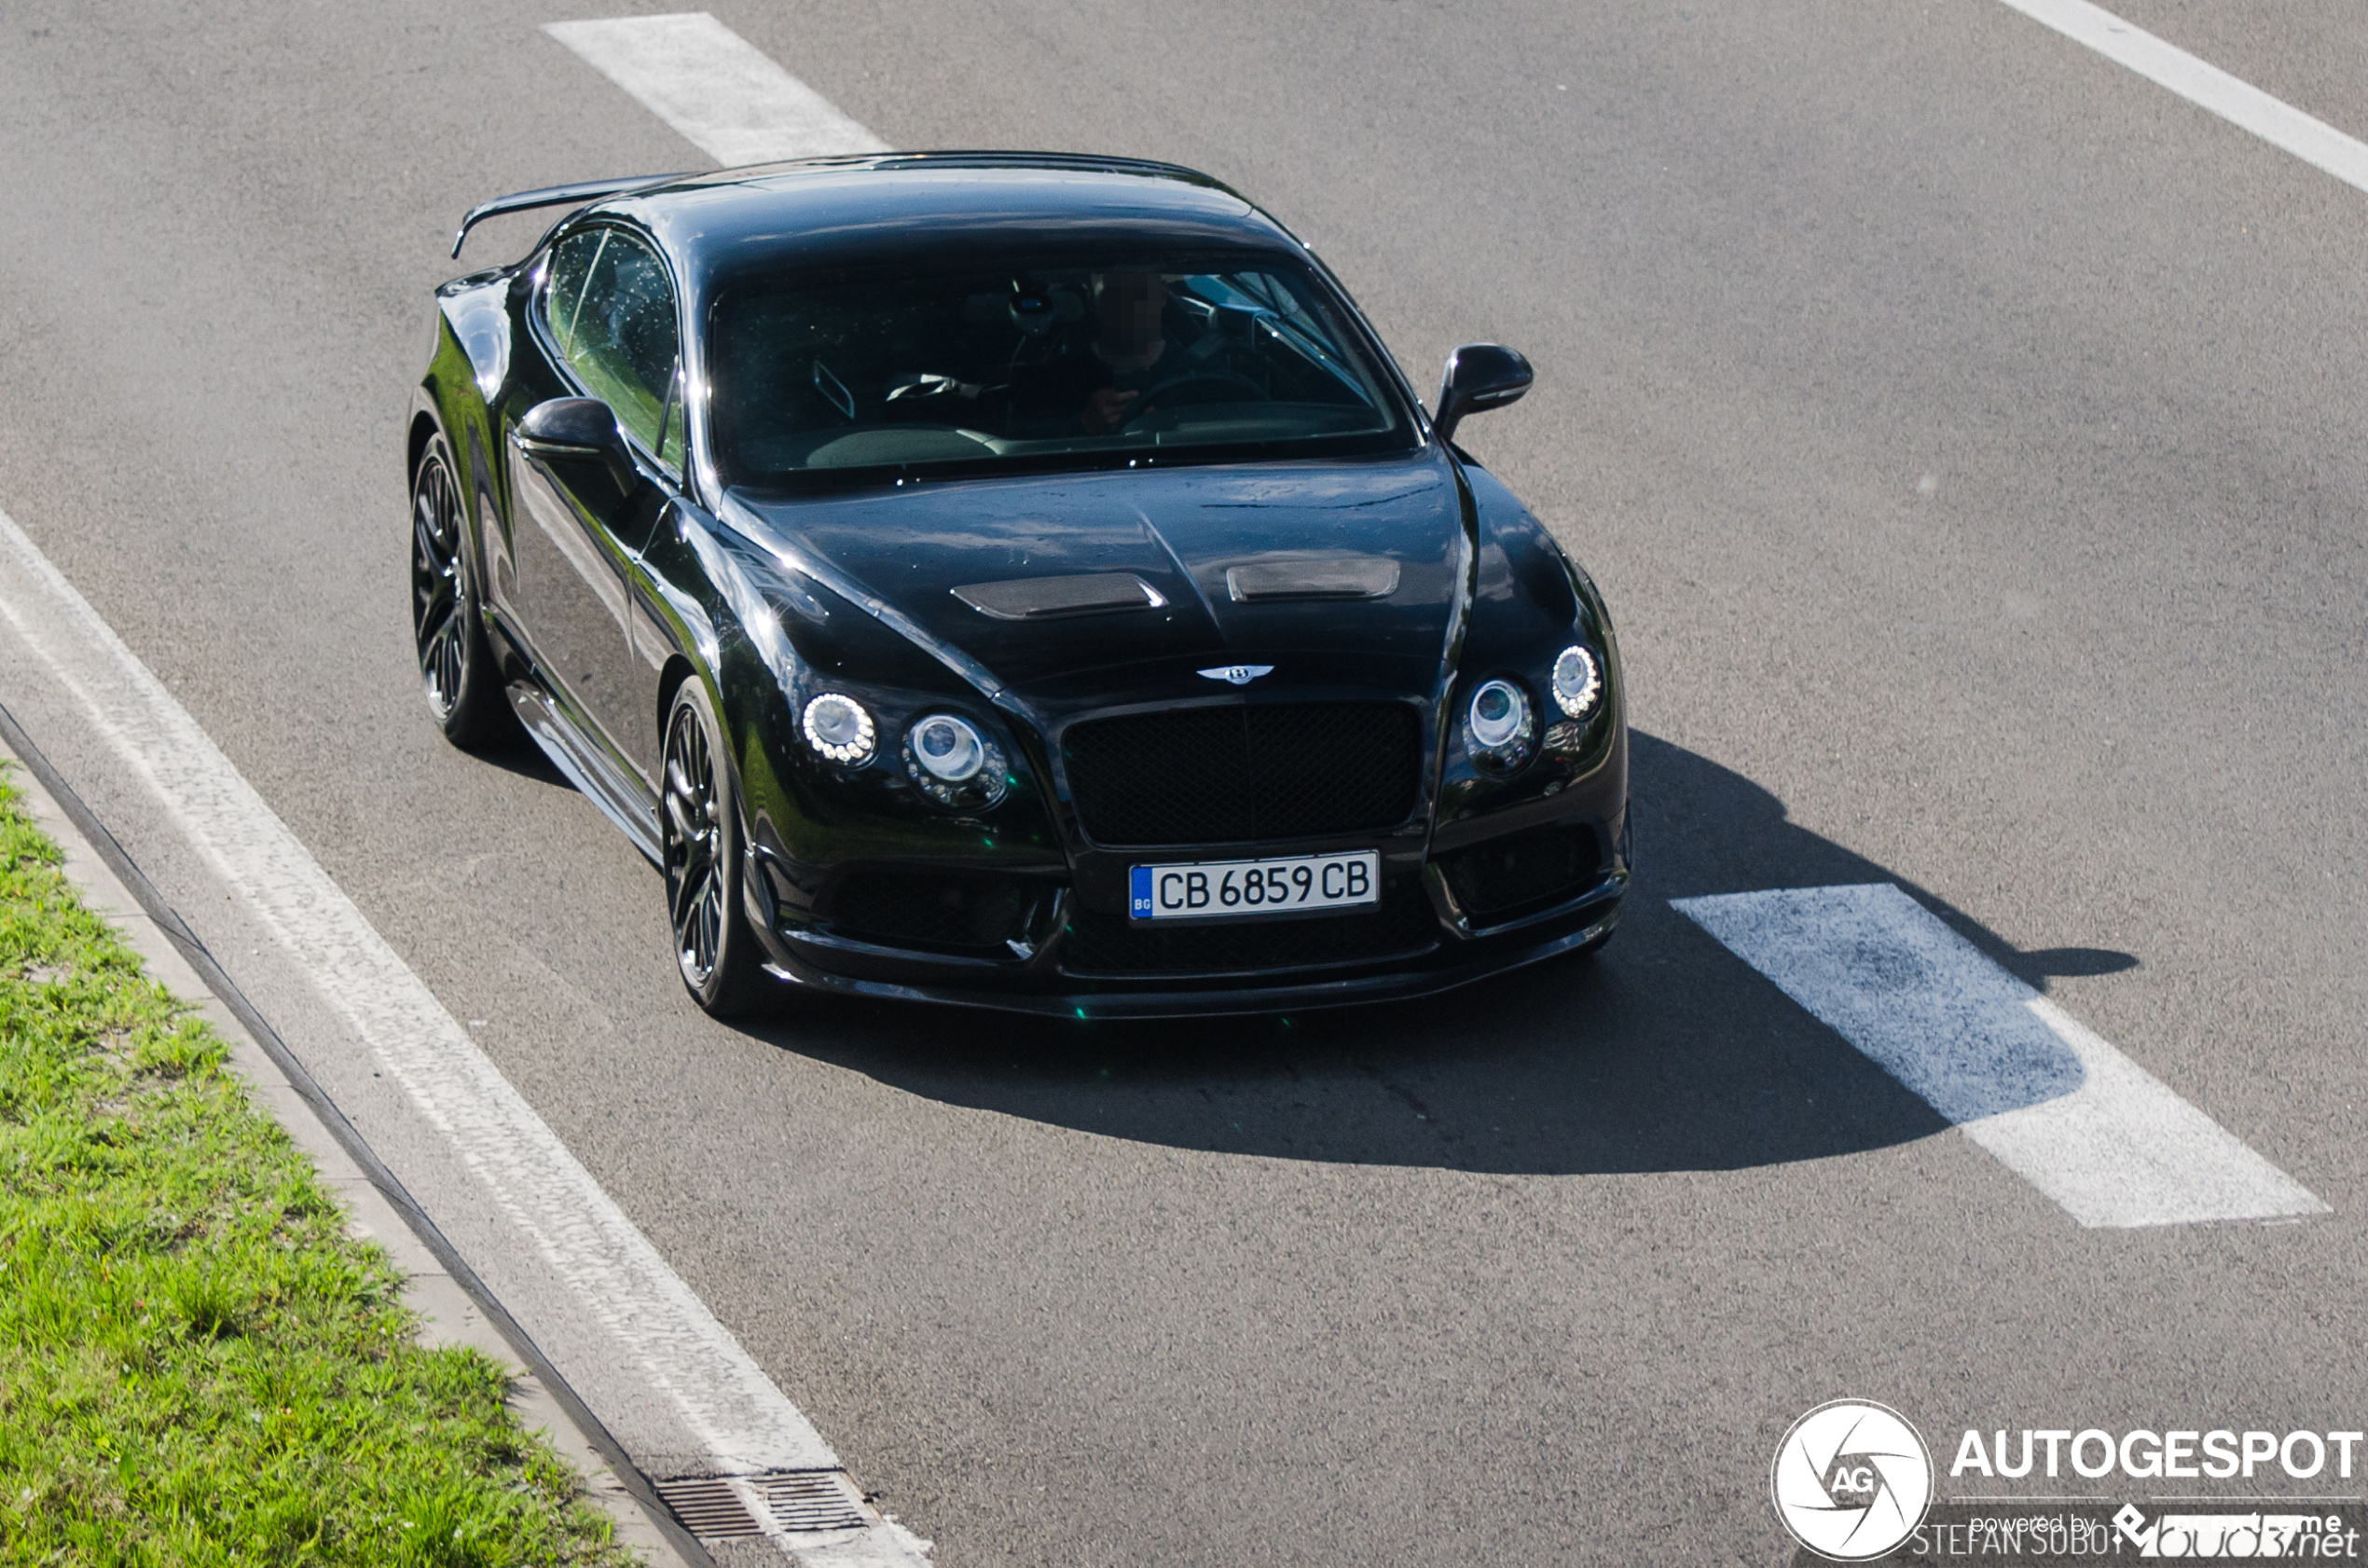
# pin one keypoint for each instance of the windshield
(1027, 366)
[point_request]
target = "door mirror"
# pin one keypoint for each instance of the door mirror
(1479, 376)
(576, 428)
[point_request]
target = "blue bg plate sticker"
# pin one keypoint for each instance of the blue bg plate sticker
(1221, 889)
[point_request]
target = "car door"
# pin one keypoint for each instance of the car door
(607, 317)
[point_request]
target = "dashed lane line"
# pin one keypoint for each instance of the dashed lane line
(2205, 85)
(717, 89)
(2054, 1102)
(736, 104)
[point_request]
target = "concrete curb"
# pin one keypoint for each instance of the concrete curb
(453, 1304)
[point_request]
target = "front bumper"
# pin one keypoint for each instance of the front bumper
(1066, 974)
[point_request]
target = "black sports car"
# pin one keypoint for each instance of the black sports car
(1014, 579)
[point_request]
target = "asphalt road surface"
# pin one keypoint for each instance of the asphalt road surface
(1969, 436)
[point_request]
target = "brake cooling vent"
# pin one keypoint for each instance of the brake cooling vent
(1245, 774)
(958, 913)
(1523, 873)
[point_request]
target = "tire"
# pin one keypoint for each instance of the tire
(447, 614)
(700, 834)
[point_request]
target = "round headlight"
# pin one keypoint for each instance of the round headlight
(954, 762)
(947, 748)
(1577, 682)
(838, 727)
(1499, 722)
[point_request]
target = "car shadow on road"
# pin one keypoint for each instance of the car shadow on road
(512, 750)
(1665, 1053)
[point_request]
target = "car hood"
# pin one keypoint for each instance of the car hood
(1297, 530)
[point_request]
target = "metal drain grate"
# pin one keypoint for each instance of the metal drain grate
(814, 1500)
(710, 1507)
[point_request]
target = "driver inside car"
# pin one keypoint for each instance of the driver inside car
(1130, 341)
(1099, 384)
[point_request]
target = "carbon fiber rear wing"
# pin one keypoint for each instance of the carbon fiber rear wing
(550, 196)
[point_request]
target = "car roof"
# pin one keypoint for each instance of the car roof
(841, 212)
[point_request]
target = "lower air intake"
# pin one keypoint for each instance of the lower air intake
(1522, 873)
(954, 913)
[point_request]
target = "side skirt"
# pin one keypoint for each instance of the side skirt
(623, 798)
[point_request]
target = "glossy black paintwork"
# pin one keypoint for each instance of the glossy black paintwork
(575, 427)
(1177, 529)
(1479, 377)
(607, 587)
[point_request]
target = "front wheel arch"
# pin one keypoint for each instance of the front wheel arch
(678, 669)
(462, 683)
(703, 855)
(423, 431)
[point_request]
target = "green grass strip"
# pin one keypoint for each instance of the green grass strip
(198, 1364)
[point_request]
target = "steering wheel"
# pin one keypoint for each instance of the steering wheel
(1231, 379)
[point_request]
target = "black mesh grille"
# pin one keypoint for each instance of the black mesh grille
(1242, 775)
(902, 909)
(1531, 870)
(1110, 944)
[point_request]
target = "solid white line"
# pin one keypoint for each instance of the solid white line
(2055, 1103)
(716, 87)
(721, 1394)
(2240, 104)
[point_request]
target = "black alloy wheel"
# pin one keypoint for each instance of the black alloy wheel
(448, 622)
(698, 822)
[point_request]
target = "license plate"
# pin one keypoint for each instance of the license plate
(1216, 889)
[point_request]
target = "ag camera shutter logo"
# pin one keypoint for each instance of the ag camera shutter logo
(1852, 1481)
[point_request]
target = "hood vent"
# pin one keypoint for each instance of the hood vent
(1315, 577)
(1042, 599)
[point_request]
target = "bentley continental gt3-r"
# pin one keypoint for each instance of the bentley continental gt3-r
(1020, 580)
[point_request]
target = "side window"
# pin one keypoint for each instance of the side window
(610, 308)
(572, 262)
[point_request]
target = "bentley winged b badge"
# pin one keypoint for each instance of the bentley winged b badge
(1238, 675)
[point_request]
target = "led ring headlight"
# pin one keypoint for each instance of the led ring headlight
(953, 761)
(947, 748)
(1498, 724)
(1578, 683)
(839, 730)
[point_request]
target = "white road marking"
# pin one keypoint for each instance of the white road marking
(719, 1391)
(2056, 1104)
(2240, 104)
(716, 87)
